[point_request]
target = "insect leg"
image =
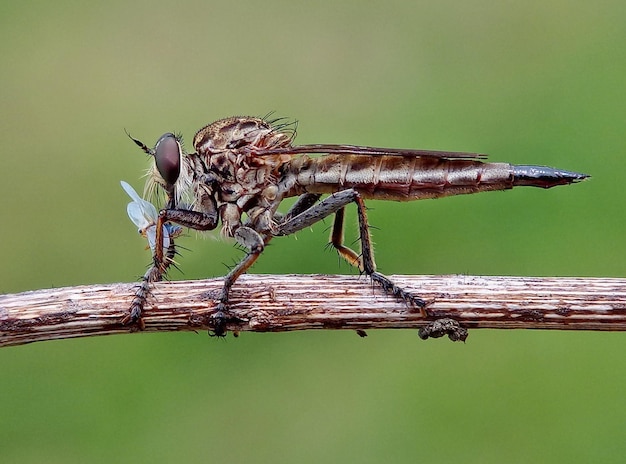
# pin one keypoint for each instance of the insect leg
(160, 262)
(336, 240)
(187, 218)
(154, 274)
(316, 213)
(335, 204)
(304, 202)
(255, 243)
(367, 256)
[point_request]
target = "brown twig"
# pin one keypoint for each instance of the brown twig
(275, 303)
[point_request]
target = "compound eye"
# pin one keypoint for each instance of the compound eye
(167, 154)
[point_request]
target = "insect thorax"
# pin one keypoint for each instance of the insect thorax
(228, 174)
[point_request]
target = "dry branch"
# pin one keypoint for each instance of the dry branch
(274, 303)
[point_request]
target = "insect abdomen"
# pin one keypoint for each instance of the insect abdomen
(403, 178)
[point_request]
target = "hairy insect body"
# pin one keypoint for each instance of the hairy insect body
(225, 173)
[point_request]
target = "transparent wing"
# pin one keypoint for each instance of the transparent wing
(139, 210)
(144, 215)
(137, 214)
(150, 234)
(131, 191)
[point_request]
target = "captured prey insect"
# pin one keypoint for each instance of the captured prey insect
(244, 167)
(144, 215)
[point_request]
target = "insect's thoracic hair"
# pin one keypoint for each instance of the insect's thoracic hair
(225, 172)
(240, 132)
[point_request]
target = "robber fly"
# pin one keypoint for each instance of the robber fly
(244, 167)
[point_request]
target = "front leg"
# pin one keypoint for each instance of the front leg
(160, 260)
(154, 274)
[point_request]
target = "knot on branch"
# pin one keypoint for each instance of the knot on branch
(441, 327)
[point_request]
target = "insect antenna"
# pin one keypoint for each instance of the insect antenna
(140, 144)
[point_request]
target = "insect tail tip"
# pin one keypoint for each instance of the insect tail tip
(545, 177)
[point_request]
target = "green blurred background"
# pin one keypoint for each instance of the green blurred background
(527, 82)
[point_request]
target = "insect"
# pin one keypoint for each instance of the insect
(244, 167)
(144, 215)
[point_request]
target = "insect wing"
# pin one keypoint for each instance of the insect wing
(141, 212)
(144, 215)
(366, 151)
(137, 214)
(130, 191)
(150, 234)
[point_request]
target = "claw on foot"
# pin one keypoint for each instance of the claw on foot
(136, 308)
(134, 318)
(218, 321)
(399, 293)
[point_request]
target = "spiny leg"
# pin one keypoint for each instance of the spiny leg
(365, 262)
(156, 271)
(336, 240)
(335, 204)
(304, 202)
(161, 261)
(316, 212)
(255, 243)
